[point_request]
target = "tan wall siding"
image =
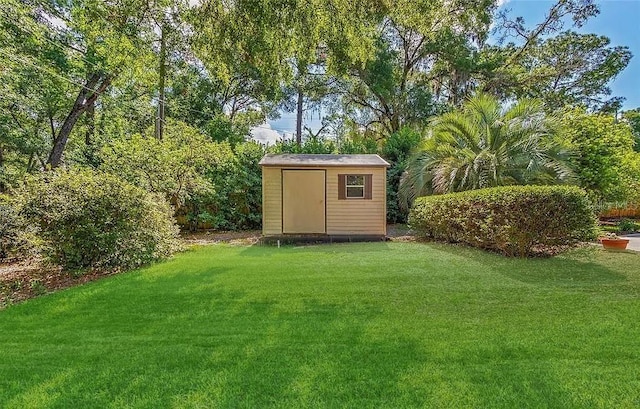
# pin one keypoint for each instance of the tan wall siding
(271, 201)
(351, 216)
(357, 216)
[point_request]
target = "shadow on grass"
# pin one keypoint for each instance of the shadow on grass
(202, 332)
(267, 250)
(575, 268)
(503, 377)
(561, 272)
(184, 342)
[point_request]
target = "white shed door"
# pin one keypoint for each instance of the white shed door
(303, 201)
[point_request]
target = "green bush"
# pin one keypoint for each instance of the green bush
(173, 167)
(514, 220)
(235, 202)
(15, 235)
(605, 164)
(396, 150)
(9, 227)
(90, 219)
(627, 225)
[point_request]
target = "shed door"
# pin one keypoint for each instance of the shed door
(303, 201)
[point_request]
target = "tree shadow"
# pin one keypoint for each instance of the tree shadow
(575, 269)
(192, 339)
(262, 250)
(504, 376)
(562, 272)
(188, 341)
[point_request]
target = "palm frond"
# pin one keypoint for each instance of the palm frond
(484, 145)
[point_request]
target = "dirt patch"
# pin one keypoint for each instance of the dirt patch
(24, 280)
(240, 238)
(400, 232)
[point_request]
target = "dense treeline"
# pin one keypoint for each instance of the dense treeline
(163, 95)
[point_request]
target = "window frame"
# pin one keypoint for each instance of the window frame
(363, 186)
(367, 186)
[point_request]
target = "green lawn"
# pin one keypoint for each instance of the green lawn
(349, 325)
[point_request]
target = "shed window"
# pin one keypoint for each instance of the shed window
(354, 186)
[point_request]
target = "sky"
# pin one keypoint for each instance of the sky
(618, 19)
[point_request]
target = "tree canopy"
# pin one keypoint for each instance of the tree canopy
(134, 88)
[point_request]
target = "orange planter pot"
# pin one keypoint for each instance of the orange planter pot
(614, 244)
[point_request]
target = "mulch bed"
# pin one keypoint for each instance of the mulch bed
(20, 281)
(243, 238)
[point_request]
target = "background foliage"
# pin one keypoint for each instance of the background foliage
(606, 164)
(164, 94)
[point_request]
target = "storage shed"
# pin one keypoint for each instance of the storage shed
(324, 195)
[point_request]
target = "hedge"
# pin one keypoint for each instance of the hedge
(514, 220)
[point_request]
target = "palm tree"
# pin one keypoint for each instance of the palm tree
(484, 145)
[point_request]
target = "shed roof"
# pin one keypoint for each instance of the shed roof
(306, 160)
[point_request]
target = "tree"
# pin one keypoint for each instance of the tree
(85, 45)
(397, 150)
(174, 166)
(33, 92)
(424, 52)
(290, 48)
(109, 38)
(223, 110)
(556, 66)
(568, 69)
(605, 159)
(484, 145)
(311, 84)
(632, 117)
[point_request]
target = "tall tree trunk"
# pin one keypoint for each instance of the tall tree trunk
(299, 112)
(55, 157)
(396, 123)
(87, 96)
(162, 72)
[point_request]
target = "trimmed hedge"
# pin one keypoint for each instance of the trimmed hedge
(514, 220)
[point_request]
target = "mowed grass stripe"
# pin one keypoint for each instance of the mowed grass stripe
(346, 325)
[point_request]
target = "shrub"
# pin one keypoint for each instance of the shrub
(91, 219)
(17, 239)
(235, 203)
(10, 228)
(605, 164)
(396, 150)
(627, 225)
(173, 167)
(514, 220)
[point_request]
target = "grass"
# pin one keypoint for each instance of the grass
(350, 325)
